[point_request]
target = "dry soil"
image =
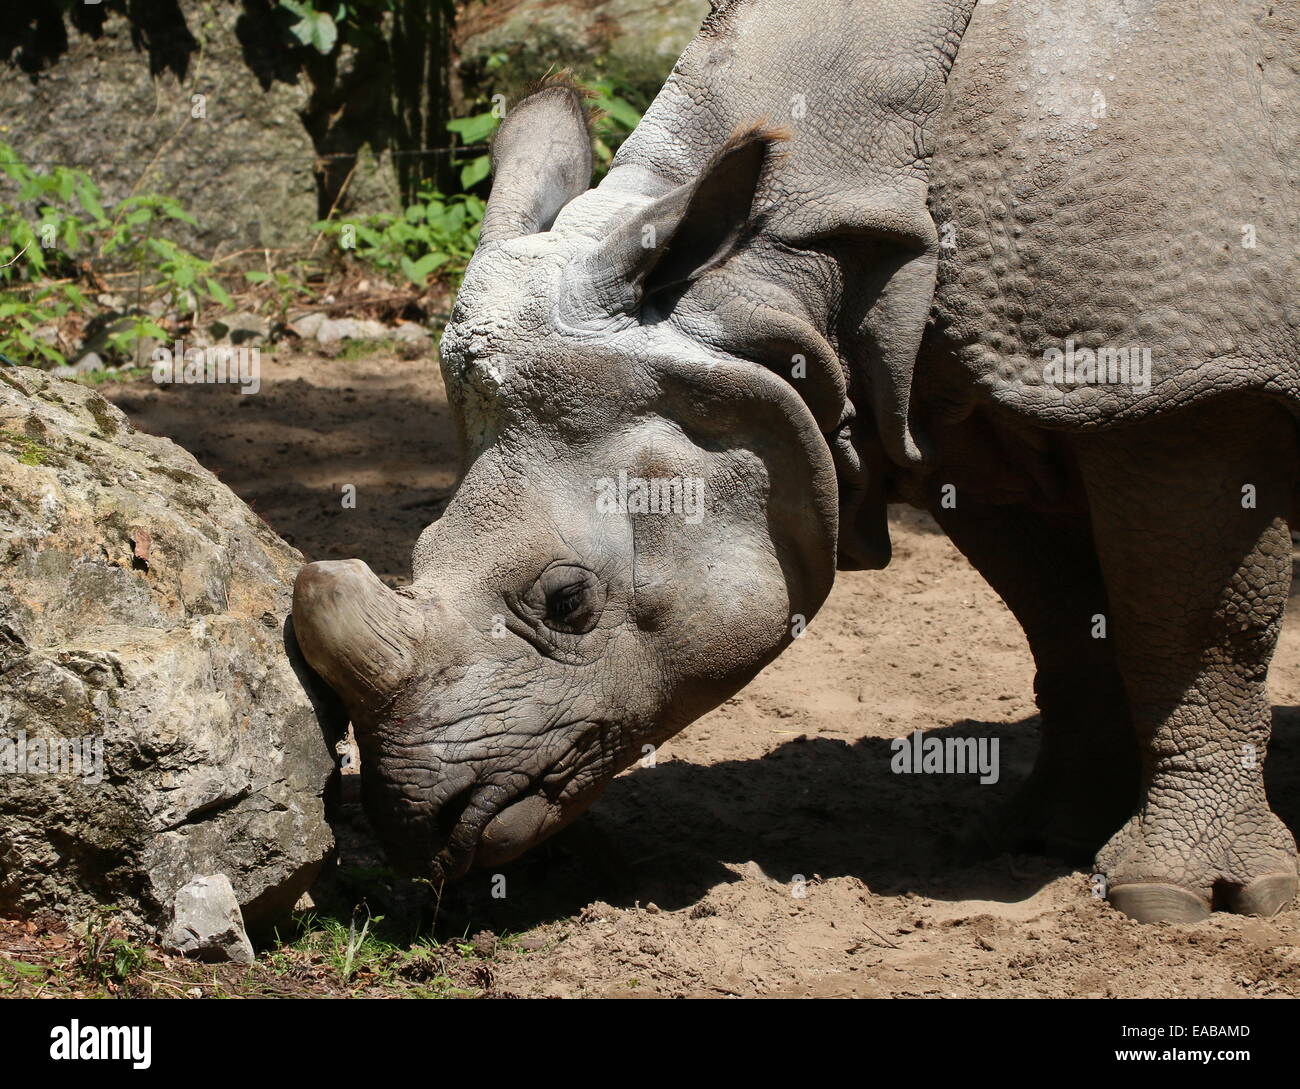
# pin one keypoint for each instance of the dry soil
(686, 877)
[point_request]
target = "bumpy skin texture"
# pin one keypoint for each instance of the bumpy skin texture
(1195, 628)
(1095, 175)
(1098, 164)
(824, 273)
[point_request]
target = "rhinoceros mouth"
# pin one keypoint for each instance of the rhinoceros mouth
(488, 825)
(461, 822)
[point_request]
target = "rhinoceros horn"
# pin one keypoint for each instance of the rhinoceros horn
(359, 635)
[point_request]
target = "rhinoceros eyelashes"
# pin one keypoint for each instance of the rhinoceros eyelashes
(566, 599)
(572, 598)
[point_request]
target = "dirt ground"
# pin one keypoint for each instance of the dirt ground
(684, 878)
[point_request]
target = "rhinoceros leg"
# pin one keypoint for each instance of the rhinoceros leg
(1085, 778)
(1189, 513)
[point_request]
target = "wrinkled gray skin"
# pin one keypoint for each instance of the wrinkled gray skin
(851, 311)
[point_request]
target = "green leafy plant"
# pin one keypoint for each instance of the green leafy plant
(350, 949)
(312, 27)
(473, 131)
(323, 25)
(75, 233)
(21, 318)
(180, 276)
(106, 955)
(616, 117)
(436, 234)
(615, 121)
(283, 289)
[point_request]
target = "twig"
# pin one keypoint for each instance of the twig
(334, 207)
(881, 936)
(16, 256)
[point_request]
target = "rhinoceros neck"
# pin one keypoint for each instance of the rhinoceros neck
(843, 225)
(852, 82)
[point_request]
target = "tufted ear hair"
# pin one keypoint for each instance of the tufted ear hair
(677, 237)
(541, 160)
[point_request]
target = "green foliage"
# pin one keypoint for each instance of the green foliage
(436, 234)
(68, 208)
(347, 949)
(21, 317)
(284, 289)
(616, 117)
(321, 25)
(57, 231)
(473, 131)
(171, 271)
(311, 27)
(57, 224)
(106, 955)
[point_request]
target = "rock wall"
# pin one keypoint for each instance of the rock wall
(280, 134)
(142, 613)
(635, 41)
(258, 158)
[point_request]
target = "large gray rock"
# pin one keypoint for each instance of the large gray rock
(142, 613)
(206, 923)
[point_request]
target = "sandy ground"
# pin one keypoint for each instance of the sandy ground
(684, 880)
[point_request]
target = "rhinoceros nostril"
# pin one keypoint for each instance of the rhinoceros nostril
(453, 809)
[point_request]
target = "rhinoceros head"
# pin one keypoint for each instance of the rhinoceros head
(644, 520)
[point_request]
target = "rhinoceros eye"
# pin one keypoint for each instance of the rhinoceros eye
(572, 599)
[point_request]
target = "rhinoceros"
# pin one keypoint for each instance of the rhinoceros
(1028, 266)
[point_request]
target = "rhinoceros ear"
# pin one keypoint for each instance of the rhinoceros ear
(677, 237)
(541, 160)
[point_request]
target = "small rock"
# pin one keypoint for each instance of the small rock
(88, 364)
(306, 325)
(332, 330)
(242, 328)
(207, 923)
(411, 332)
